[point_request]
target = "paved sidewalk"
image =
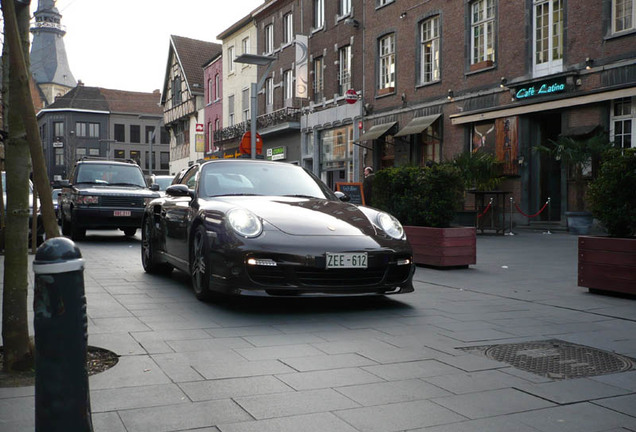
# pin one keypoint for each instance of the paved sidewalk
(349, 365)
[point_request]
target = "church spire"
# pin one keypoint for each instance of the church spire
(49, 64)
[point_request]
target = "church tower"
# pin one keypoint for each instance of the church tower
(49, 65)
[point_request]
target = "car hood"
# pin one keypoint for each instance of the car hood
(110, 190)
(308, 216)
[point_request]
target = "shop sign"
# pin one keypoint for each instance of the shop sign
(541, 89)
(277, 153)
(58, 144)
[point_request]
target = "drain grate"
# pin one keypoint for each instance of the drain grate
(556, 359)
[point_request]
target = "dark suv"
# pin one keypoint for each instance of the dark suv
(103, 194)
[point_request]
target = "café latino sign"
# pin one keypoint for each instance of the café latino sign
(543, 88)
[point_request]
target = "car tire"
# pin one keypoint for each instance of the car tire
(66, 227)
(77, 233)
(200, 265)
(148, 258)
(129, 232)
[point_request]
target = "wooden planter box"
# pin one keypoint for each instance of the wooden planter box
(385, 91)
(607, 264)
(443, 247)
(481, 65)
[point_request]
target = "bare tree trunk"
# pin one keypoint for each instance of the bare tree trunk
(15, 329)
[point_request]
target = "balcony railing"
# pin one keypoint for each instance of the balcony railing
(284, 115)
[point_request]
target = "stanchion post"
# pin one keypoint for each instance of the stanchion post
(549, 216)
(62, 401)
(510, 233)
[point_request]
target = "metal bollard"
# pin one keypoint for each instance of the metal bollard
(62, 401)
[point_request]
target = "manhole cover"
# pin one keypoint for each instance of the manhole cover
(557, 359)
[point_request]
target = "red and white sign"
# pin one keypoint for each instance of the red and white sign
(199, 127)
(351, 96)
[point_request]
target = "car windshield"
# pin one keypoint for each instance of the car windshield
(163, 182)
(247, 178)
(110, 174)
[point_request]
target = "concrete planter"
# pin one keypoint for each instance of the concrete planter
(607, 264)
(443, 247)
(579, 223)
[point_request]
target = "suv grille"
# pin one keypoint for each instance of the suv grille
(121, 201)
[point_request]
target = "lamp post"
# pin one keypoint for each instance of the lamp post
(258, 60)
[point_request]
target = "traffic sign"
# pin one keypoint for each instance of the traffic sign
(351, 96)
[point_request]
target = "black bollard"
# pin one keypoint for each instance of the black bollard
(62, 401)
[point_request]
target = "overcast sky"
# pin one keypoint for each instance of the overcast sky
(123, 44)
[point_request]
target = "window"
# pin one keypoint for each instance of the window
(59, 156)
(379, 3)
(176, 91)
(58, 129)
(623, 15)
(149, 160)
(150, 135)
(319, 14)
(136, 156)
(217, 87)
(245, 45)
(318, 80)
(164, 160)
(210, 138)
(135, 132)
(288, 28)
(345, 7)
(269, 91)
(623, 122)
(387, 62)
(230, 59)
(344, 69)
(482, 31)
(120, 154)
(548, 36)
(210, 91)
(80, 129)
(269, 39)
(165, 136)
(246, 104)
(120, 133)
(93, 130)
(80, 152)
(230, 110)
(430, 49)
(288, 84)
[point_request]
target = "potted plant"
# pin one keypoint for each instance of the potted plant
(608, 263)
(577, 154)
(425, 200)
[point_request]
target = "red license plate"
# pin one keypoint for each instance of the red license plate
(121, 213)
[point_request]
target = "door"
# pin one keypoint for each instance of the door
(545, 179)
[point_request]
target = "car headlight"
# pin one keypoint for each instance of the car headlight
(245, 222)
(390, 225)
(87, 199)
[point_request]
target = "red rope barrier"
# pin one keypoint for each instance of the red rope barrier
(485, 210)
(534, 215)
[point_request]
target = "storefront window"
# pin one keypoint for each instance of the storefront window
(336, 149)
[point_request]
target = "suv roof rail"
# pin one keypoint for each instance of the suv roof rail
(95, 158)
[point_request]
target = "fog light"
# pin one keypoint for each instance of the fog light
(261, 262)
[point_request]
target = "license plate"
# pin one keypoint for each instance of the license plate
(346, 260)
(121, 213)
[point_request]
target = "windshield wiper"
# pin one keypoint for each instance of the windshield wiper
(235, 194)
(126, 184)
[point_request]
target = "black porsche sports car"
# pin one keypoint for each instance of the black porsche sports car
(255, 227)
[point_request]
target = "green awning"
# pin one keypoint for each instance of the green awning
(376, 131)
(417, 125)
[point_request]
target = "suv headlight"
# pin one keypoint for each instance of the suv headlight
(87, 199)
(245, 223)
(390, 225)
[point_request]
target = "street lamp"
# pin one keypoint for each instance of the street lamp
(258, 60)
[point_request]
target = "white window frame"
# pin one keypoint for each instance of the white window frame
(269, 92)
(319, 14)
(344, 68)
(245, 101)
(217, 86)
(386, 51)
(319, 79)
(430, 42)
(623, 16)
(269, 38)
(210, 91)
(547, 51)
(230, 110)
(623, 122)
(379, 3)
(288, 28)
(345, 7)
(482, 31)
(288, 84)
(245, 45)
(230, 57)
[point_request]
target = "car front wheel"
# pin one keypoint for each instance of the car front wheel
(200, 265)
(148, 257)
(77, 232)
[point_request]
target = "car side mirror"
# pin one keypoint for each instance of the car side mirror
(154, 187)
(343, 196)
(179, 190)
